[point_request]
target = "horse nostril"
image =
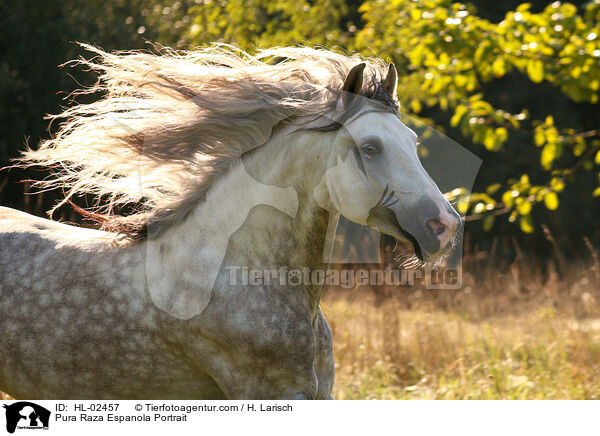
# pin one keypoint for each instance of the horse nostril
(437, 226)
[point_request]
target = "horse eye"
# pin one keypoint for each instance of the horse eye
(370, 149)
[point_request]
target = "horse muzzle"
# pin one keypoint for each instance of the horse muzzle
(431, 232)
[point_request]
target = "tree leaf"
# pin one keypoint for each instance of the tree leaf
(551, 200)
(415, 106)
(508, 199)
(492, 189)
(501, 135)
(535, 70)
(498, 67)
(557, 184)
(489, 140)
(459, 112)
(463, 206)
(548, 156)
(539, 136)
(526, 224)
(488, 223)
(524, 208)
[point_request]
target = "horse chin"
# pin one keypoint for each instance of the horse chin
(385, 221)
(410, 254)
(393, 229)
(405, 238)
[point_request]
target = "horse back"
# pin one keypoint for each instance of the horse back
(15, 222)
(37, 253)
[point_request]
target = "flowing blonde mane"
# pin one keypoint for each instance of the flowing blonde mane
(169, 123)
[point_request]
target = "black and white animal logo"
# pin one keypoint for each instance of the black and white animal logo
(26, 415)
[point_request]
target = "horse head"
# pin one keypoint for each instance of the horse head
(375, 177)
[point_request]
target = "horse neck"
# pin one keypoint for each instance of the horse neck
(261, 215)
(295, 162)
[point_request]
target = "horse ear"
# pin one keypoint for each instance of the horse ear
(353, 83)
(391, 79)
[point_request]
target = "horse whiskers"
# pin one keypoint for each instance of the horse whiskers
(411, 263)
(406, 258)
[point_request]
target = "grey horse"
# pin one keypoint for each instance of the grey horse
(238, 164)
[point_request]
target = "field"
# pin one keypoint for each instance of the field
(518, 332)
(515, 332)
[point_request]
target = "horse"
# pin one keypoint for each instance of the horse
(204, 164)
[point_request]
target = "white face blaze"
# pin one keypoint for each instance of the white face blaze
(377, 180)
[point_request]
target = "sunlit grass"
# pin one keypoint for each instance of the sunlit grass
(522, 337)
(387, 354)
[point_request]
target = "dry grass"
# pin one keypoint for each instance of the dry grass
(519, 332)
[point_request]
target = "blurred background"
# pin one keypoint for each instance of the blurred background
(515, 83)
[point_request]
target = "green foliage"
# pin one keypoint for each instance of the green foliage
(520, 90)
(446, 56)
(454, 54)
(264, 23)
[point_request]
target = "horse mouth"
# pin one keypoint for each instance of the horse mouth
(384, 220)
